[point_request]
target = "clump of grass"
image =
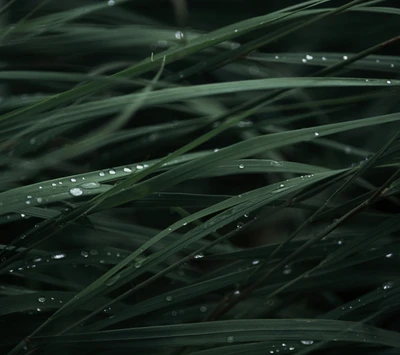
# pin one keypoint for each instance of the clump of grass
(178, 184)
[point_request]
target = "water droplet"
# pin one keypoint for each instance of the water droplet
(111, 172)
(316, 134)
(111, 2)
(347, 150)
(203, 309)
(84, 253)
(255, 262)
(282, 185)
(90, 185)
(199, 256)
(28, 202)
(387, 285)
(37, 260)
(76, 191)
(102, 173)
(236, 30)
(41, 299)
(178, 35)
(277, 57)
(323, 58)
(389, 255)
(241, 166)
(237, 292)
(345, 57)
(392, 65)
(58, 256)
(53, 184)
(127, 170)
(307, 342)
(309, 57)
(240, 225)
(138, 264)
(139, 167)
(39, 200)
(287, 270)
(230, 339)
(388, 81)
(168, 298)
(73, 180)
(304, 60)
(275, 163)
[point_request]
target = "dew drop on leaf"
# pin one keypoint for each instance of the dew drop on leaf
(58, 256)
(230, 339)
(91, 185)
(387, 285)
(76, 191)
(307, 342)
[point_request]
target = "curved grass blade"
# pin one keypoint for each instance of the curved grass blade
(223, 332)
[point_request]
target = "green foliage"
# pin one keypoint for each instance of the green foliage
(183, 183)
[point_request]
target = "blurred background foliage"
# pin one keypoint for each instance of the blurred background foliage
(199, 177)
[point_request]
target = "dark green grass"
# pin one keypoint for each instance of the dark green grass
(199, 177)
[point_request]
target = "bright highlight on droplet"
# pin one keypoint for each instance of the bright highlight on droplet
(76, 191)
